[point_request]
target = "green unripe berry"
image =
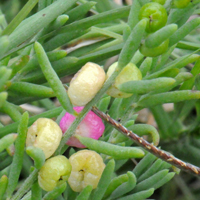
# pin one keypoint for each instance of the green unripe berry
(162, 2)
(181, 3)
(156, 15)
(156, 51)
(129, 73)
(54, 172)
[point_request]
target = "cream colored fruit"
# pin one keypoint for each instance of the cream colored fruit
(54, 172)
(86, 83)
(44, 134)
(129, 73)
(87, 168)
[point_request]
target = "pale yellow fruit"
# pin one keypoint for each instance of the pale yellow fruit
(129, 73)
(86, 83)
(54, 172)
(87, 168)
(44, 134)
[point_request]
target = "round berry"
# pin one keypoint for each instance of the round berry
(44, 134)
(181, 3)
(129, 73)
(91, 126)
(156, 51)
(156, 15)
(86, 83)
(54, 172)
(162, 2)
(87, 168)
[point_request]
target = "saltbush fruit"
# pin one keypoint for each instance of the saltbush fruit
(86, 83)
(91, 126)
(162, 2)
(181, 3)
(54, 172)
(129, 73)
(87, 168)
(44, 134)
(156, 15)
(156, 51)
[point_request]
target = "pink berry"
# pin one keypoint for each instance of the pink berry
(91, 126)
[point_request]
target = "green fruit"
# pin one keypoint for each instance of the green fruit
(156, 51)
(162, 2)
(156, 15)
(181, 3)
(129, 73)
(54, 172)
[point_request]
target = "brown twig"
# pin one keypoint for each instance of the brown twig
(149, 147)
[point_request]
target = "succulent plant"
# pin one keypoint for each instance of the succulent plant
(139, 124)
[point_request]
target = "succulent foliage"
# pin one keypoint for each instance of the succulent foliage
(37, 59)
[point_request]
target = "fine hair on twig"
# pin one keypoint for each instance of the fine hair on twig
(166, 156)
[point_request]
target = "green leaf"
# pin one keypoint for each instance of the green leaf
(144, 164)
(133, 17)
(177, 14)
(33, 62)
(29, 89)
(54, 194)
(79, 11)
(145, 66)
(36, 191)
(77, 28)
(168, 97)
(126, 187)
(3, 97)
(150, 182)
(145, 86)
(139, 195)
(20, 16)
(146, 129)
(4, 44)
(7, 140)
(104, 181)
(12, 110)
(37, 155)
(85, 193)
(3, 183)
(164, 180)
(53, 79)
(115, 183)
(183, 31)
(26, 185)
(158, 37)
(151, 171)
(37, 22)
(178, 63)
(116, 151)
(132, 43)
(190, 83)
(18, 156)
(104, 103)
(4, 76)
